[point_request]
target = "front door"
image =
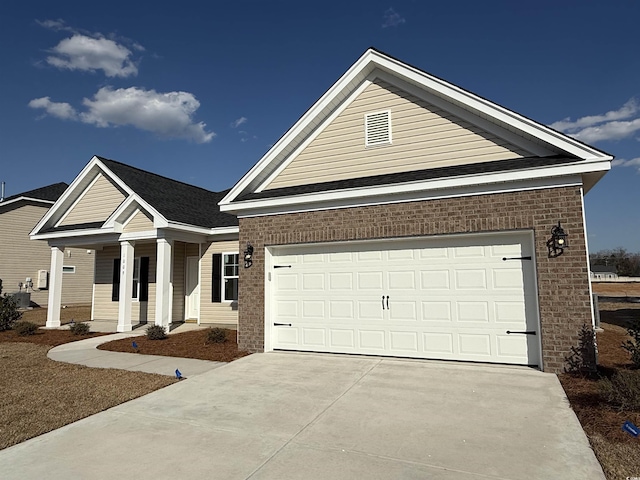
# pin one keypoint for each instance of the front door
(192, 297)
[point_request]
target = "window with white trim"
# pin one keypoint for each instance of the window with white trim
(136, 279)
(377, 128)
(68, 269)
(230, 274)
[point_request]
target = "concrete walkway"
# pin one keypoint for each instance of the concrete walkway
(84, 352)
(288, 416)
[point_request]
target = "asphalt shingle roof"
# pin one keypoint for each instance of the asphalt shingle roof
(416, 175)
(176, 201)
(49, 193)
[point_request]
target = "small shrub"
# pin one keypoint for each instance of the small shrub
(622, 389)
(156, 332)
(80, 328)
(9, 313)
(633, 346)
(582, 359)
(216, 335)
(25, 328)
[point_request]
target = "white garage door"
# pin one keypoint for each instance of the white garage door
(459, 298)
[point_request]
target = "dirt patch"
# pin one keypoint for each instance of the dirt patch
(616, 289)
(617, 451)
(39, 315)
(187, 345)
(52, 338)
(40, 395)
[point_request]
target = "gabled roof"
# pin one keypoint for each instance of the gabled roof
(176, 201)
(47, 195)
(172, 204)
(531, 136)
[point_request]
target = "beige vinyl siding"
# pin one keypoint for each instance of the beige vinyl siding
(21, 257)
(211, 312)
(423, 136)
(140, 222)
(96, 204)
(104, 307)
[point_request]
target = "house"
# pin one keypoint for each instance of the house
(402, 215)
(603, 272)
(25, 262)
(159, 246)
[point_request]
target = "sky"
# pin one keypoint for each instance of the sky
(199, 91)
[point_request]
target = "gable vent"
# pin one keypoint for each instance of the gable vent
(377, 128)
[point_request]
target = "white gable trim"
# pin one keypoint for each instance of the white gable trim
(79, 199)
(28, 199)
(359, 71)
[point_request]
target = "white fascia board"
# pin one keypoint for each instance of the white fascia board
(29, 199)
(356, 194)
(142, 235)
(444, 193)
(310, 116)
(71, 234)
(65, 196)
(201, 230)
(491, 109)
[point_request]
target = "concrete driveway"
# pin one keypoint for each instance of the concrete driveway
(307, 416)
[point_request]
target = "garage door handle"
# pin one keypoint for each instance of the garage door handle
(529, 332)
(281, 324)
(383, 302)
(387, 302)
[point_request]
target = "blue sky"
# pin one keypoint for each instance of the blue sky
(226, 79)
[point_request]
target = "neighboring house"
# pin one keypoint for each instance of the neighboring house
(22, 259)
(404, 216)
(603, 272)
(164, 252)
(401, 215)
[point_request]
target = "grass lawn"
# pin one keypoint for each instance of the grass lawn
(617, 451)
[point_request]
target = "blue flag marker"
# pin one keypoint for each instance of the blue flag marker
(631, 429)
(178, 374)
(134, 345)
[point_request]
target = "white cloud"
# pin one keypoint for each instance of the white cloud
(169, 115)
(634, 162)
(55, 25)
(81, 52)
(611, 125)
(238, 122)
(60, 110)
(392, 18)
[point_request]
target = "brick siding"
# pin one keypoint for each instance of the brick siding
(563, 282)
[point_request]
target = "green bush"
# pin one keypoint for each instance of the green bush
(633, 346)
(25, 328)
(156, 332)
(622, 389)
(79, 328)
(582, 359)
(216, 335)
(9, 313)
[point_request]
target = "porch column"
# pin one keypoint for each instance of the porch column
(164, 285)
(55, 287)
(127, 257)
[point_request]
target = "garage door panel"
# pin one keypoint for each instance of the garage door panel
(448, 298)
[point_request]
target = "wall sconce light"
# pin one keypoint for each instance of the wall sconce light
(248, 256)
(558, 241)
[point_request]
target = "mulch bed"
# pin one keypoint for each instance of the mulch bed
(52, 338)
(603, 422)
(186, 345)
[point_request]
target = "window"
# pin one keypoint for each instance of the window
(230, 275)
(136, 279)
(68, 269)
(225, 277)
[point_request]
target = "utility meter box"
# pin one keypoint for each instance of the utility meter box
(43, 280)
